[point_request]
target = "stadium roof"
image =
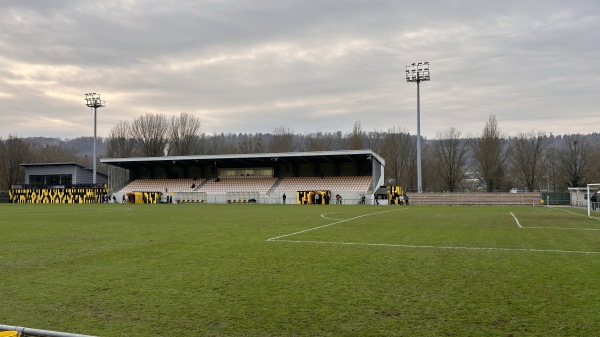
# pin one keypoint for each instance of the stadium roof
(30, 165)
(246, 160)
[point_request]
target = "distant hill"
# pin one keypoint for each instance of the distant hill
(83, 146)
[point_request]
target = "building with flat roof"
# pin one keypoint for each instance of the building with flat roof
(61, 174)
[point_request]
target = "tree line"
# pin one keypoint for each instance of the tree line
(490, 161)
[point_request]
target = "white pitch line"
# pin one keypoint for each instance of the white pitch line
(579, 214)
(565, 228)
(327, 225)
(445, 247)
(324, 216)
(561, 228)
(516, 220)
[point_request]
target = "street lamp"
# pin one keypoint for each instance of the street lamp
(93, 101)
(418, 72)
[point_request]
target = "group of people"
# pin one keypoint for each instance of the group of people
(401, 199)
(106, 199)
(318, 199)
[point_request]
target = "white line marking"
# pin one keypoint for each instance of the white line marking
(516, 220)
(327, 225)
(324, 216)
(561, 228)
(565, 228)
(445, 247)
(579, 214)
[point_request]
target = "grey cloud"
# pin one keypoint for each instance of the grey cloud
(312, 66)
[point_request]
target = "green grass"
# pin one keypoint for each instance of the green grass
(211, 270)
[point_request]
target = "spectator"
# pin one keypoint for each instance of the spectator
(284, 196)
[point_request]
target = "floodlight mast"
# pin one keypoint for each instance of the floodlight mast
(418, 72)
(93, 101)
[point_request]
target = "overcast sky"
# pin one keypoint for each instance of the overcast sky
(307, 65)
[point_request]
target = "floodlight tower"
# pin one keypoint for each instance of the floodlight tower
(418, 72)
(93, 101)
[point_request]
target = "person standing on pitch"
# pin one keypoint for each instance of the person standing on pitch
(284, 198)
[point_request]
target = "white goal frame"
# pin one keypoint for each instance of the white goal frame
(595, 188)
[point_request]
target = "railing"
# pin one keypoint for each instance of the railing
(29, 332)
(457, 198)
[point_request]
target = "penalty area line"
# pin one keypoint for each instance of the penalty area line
(531, 250)
(570, 212)
(560, 228)
(516, 220)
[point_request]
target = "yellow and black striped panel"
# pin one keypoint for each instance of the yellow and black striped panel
(58, 195)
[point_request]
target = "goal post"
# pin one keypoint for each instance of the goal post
(592, 198)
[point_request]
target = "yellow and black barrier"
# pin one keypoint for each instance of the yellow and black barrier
(191, 201)
(242, 201)
(48, 195)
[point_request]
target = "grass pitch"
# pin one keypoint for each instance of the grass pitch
(299, 270)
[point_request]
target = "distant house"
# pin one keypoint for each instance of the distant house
(61, 174)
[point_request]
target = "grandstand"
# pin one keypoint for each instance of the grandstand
(345, 184)
(249, 184)
(261, 177)
(160, 185)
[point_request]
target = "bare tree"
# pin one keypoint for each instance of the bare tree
(14, 151)
(375, 141)
(575, 158)
(248, 143)
(120, 144)
(355, 139)
(337, 141)
(451, 158)
(184, 135)
(489, 155)
(216, 144)
(282, 140)
(595, 160)
(316, 141)
(527, 157)
(149, 132)
(399, 152)
(40, 152)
